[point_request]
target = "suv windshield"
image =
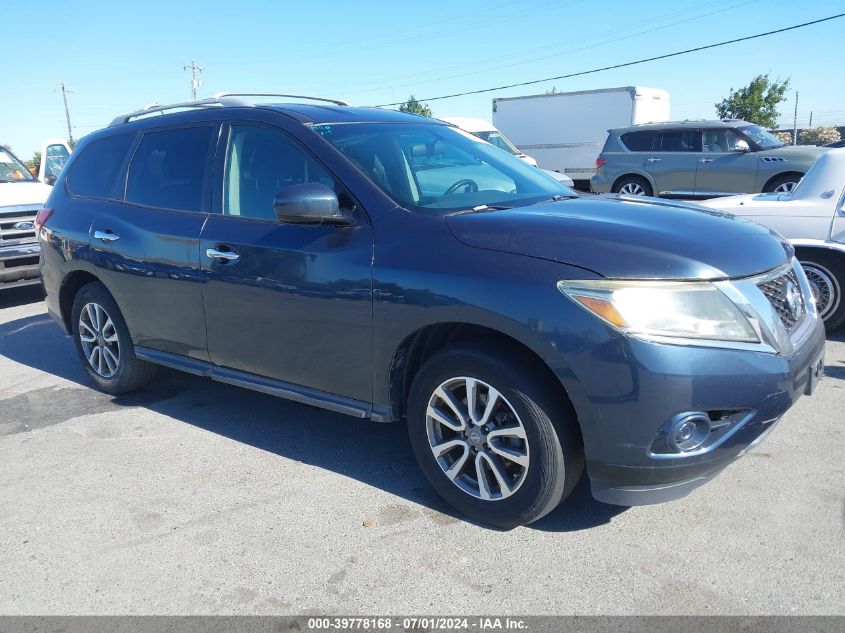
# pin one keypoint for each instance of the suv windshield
(12, 169)
(761, 137)
(434, 168)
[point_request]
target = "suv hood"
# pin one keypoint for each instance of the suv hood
(795, 151)
(628, 238)
(22, 193)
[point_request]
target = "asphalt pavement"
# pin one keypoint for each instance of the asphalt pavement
(194, 497)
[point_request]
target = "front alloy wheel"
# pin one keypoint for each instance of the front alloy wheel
(477, 438)
(99, 340)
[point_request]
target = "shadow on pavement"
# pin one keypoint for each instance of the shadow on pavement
(11, 297)
(376, 454)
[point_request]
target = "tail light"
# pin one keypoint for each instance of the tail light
(41, 217)
(600, 162)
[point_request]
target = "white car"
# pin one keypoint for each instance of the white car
(487, 132)
(812, 218)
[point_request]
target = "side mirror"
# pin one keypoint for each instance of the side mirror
(742, 146)
(310, 203)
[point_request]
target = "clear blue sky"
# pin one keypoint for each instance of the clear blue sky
(118, 56)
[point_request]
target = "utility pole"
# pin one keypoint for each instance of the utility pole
(795, 122)
(196, 82)
(63, 89)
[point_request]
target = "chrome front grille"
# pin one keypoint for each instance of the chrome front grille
(784, 293)
(17, 225)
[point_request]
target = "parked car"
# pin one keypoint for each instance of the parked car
(520, 332)
(812, 217)
(836, 144)
(21, 196)
(488, 132)
(699, 159)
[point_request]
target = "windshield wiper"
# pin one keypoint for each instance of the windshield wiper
(557, 198)
(484, 208)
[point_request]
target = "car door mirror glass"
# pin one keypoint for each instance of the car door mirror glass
(742, 146)
(309, 203)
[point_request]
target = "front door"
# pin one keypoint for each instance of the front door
(289, 302)
(673, 161)
(722, 168)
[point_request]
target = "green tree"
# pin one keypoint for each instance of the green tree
(415, 107)
(34, 163)
(757, 102)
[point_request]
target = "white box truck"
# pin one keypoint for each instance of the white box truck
(565, 131)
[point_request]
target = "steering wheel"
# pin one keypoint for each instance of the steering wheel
(471, 187)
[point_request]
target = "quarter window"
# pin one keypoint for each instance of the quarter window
(261, 162)
(94, 171)
(168, 169)
(638, 141)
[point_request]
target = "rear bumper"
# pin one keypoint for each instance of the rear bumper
(19, 265)
(627, 391)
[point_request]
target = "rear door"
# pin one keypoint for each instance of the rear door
(146, 246)
(290, 302)
(673, 161)
(721, 168)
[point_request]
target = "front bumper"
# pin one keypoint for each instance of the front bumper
(19, 265)
(626, 390)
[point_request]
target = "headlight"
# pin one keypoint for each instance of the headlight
(676, 309)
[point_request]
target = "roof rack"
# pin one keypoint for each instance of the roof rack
(221, 99)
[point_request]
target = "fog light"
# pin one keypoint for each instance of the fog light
(689, 432)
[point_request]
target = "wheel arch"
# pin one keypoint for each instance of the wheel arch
(426, 341)
(71, 284)
(634, 174)
(780, 175)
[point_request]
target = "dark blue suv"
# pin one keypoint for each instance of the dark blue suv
(395, 268)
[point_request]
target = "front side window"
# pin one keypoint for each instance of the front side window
(723, 140)
(434, 168)
(12, 169)
(95, 167)
(261, 162)
(168, 169)
(678, 141)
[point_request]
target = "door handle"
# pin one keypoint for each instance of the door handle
(705, 160)
(228, 256)
(654, 160)
(106, 236)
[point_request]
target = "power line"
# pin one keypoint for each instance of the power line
(63, 89)
(196, 82)
(623, 65)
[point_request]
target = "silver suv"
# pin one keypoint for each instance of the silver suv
(699, 159)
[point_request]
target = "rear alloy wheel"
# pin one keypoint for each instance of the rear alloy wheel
(633, 186)
(103, 342)
(493, 438)
(826, 275)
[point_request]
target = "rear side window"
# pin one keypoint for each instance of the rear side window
(638, 141)
(94, 172)
(678, 141)
(168, 169)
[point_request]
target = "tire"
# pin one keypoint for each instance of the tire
(551, 450)
(114, 368)
(633, 186)
(783, 184)
(826, 274)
